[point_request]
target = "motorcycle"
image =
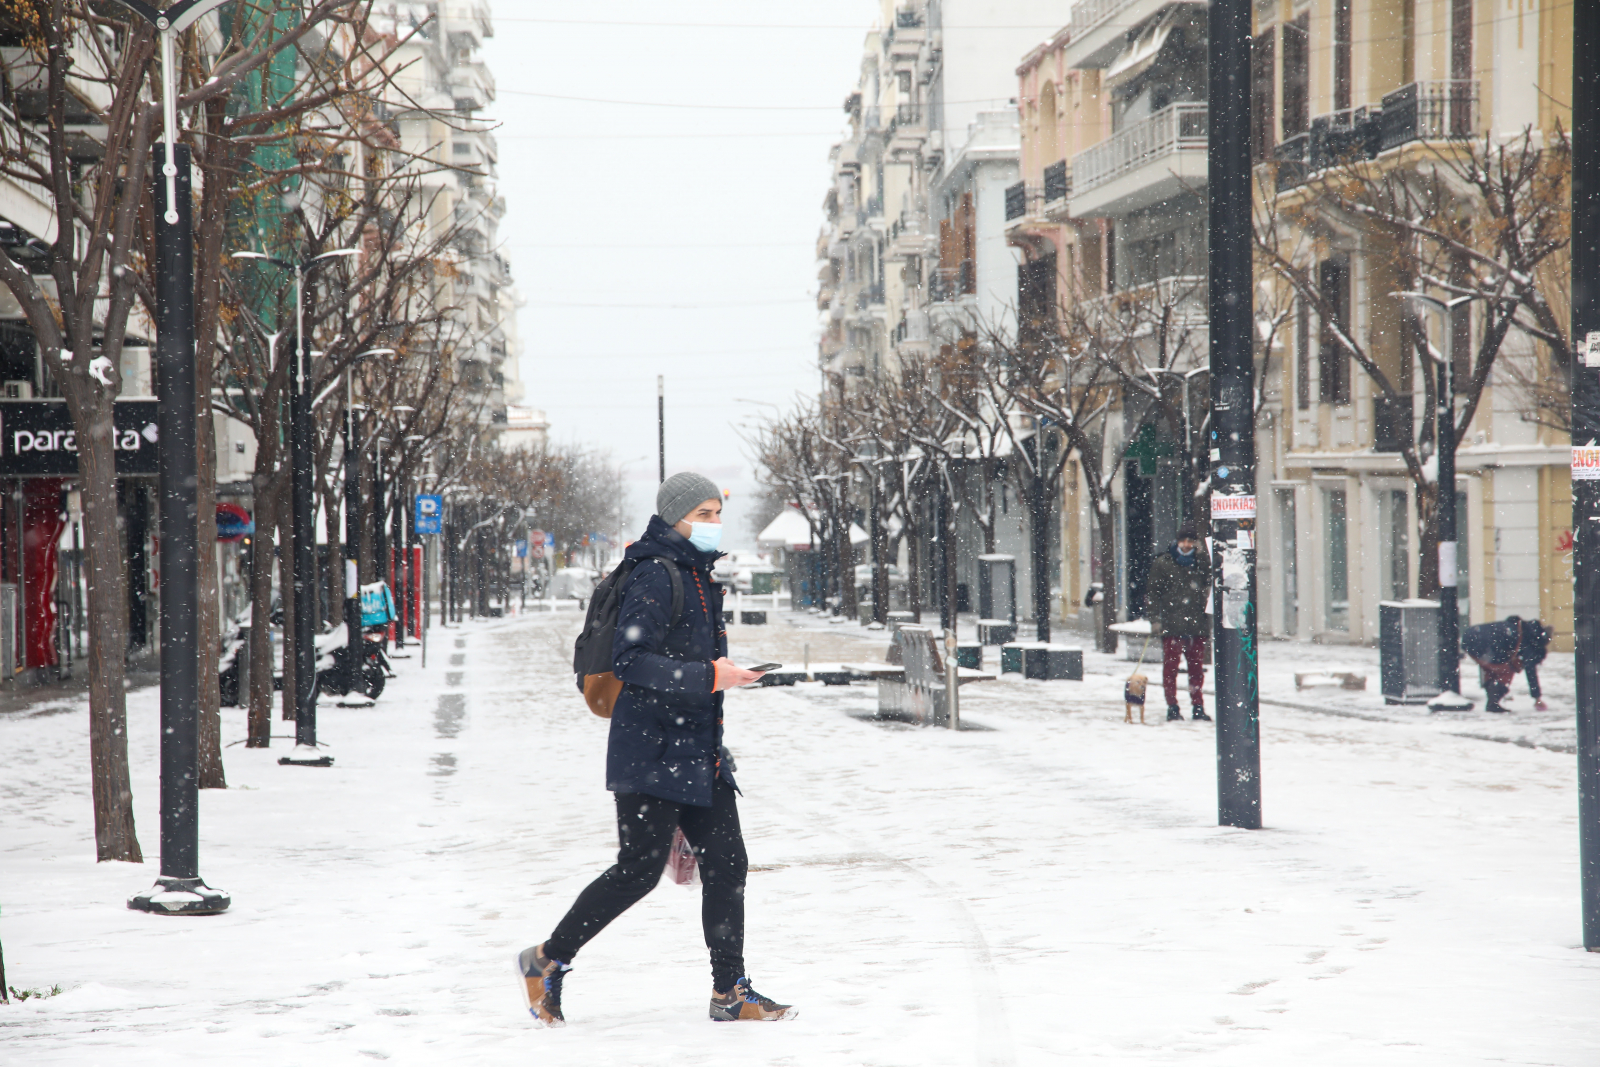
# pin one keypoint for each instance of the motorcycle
(374, 672)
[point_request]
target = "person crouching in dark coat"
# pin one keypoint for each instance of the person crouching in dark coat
(1180, 582)
(1502, 650)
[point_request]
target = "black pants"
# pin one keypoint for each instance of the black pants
(644, 827)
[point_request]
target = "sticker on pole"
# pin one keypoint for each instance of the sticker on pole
(1586, 463)
(1591, 349)
(1232, 506)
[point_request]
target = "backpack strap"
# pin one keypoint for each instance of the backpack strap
(677, 591)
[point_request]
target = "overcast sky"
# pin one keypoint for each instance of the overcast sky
(672, 233)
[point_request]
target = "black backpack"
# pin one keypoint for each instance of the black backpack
(591, 653)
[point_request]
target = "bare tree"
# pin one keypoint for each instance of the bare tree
(1485, 220)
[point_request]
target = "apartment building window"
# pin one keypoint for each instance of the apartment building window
(1297, 75)
(1342, 22)
(1263, 69)
(1461, 327)
(1394, 545)
(1336, 562)
(1111, 257)
(1302, 356)
(1460, 39)
(1287, 552)
(1333, 362)
(1036, 299)
(904, 79)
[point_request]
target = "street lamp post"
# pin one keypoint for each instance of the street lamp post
(302, 455)
(179, 890)
(1233, 445)
(1444, 439)
(1585, 171)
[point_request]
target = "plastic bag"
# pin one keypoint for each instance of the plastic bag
(682, 866)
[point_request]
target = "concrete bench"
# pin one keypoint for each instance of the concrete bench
(1046, 662)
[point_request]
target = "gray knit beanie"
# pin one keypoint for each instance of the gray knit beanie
(682, 493)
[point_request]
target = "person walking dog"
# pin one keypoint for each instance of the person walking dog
(664, 758)
(1180, 582)
(1502, 650)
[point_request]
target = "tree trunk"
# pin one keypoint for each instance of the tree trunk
(114, 834)
(1039, 552)
(1107, 536)
(262, 551)
(286, 595)
(847, 567)
(1428, 561)
(914, 560)
(211, 774)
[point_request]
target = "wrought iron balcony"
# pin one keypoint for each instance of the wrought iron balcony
(1057, 181)
(1430, 111)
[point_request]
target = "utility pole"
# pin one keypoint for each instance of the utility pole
(179, 888)
(661, 426)
(1586, 449)
(352, 542)
(1233, 451)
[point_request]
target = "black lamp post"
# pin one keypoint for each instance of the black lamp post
(1233, 444)
(1586, 449)
(302, 454)
(179, 890)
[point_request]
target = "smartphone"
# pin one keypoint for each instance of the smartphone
(764, 667)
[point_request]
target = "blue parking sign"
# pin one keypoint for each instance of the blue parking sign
(430, 514)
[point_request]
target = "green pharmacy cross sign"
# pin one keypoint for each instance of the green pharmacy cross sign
(1147, 448)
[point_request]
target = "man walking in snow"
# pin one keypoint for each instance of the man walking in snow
(664, 758)
(1175, 598)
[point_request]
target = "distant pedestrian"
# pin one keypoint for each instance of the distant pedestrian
(1502, 650)
(1175, 598)
(664, 759)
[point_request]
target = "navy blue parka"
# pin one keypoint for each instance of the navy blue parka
(666, 727)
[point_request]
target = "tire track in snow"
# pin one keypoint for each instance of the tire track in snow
(995, 1047)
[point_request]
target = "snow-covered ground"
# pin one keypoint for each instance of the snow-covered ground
(1046, 887)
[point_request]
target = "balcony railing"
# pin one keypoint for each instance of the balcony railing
(1016, 201)
(872, 210)
(1167, 131)
(1140, 308)
(1087, 14)
(1420, 111)
(951, 283)
(869, 296)
(1057, 181)
(1430, 111)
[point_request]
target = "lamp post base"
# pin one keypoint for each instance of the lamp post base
(1450, 702)
(305, 756)
(180, 896)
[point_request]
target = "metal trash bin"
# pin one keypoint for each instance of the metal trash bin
(997, 587)
(1408, 651)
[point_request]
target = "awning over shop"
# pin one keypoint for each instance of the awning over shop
(790, 530)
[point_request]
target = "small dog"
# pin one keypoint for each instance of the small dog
(1133, 693)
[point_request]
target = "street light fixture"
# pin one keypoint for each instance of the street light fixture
(178, 890)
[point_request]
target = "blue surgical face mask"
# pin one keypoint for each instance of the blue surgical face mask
(705, 536)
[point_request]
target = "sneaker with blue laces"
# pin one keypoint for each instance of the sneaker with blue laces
(743, 1004)
(542, 979)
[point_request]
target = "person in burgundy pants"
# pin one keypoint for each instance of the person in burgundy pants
(1180, 582)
